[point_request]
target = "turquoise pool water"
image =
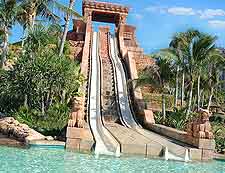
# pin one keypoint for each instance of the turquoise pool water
(42, 160)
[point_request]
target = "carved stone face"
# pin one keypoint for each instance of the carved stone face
(205, 116)
(78, 101)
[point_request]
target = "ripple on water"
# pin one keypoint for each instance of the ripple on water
(37, 160)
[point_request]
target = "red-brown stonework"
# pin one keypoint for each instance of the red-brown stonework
(77, 115)
(104, 51)
(105, 12)
(81, 40)
(143, 62)
(76, 49)
(200, 127)
(76, 39)
(109, 110)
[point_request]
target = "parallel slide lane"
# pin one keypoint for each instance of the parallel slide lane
(126, 112)
(104, 142)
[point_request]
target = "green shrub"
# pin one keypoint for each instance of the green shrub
(39, 82)
(219, 132)
(39, 88)
(52, 123)
(10, 101)
(176, 119)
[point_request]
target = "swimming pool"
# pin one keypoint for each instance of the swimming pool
(42, 160)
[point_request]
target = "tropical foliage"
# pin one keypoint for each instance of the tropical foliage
(9, 10)
(197, 64)
(159, 75)
(26, 12)
(38, 87)
(40, 81)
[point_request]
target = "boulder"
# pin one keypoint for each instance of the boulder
(49, 138)
(12, 128)
(34, 136)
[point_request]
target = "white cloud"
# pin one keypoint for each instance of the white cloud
(181, 11)
(217, 23)
(211, 13)
(156, 9)
(185, 11)
(137, 16)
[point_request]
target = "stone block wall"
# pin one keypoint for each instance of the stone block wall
(76, 39)
(76, 50)
(142, 62)
(203, 148)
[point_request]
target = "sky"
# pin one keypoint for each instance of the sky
(158, 20)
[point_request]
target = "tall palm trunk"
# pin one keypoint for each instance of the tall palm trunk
(26, 101)
(5, 47)
(198, 95)
(190, 100)
(164, 108)
(66, 28)
(24, 37)
(42, 105)
(177, 87)
(203, 99)
(210, 98)
(182, 89)
(32, 18)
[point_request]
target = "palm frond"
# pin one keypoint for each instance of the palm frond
(66, 10)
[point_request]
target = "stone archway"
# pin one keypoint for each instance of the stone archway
(104, 12)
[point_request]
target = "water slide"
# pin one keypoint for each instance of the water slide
(124, 104)
(104, 142)
(126, 113)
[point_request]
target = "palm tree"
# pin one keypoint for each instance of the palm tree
(216, 65)
(34, 8)
(206, 49)
(178, 42)
(174, 48)
(196, 47)
(8, 15)
(158, 75)
(175, 57)
(43, 8)
(66, 27)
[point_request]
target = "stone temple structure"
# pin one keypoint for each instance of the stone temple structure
(111, 116)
